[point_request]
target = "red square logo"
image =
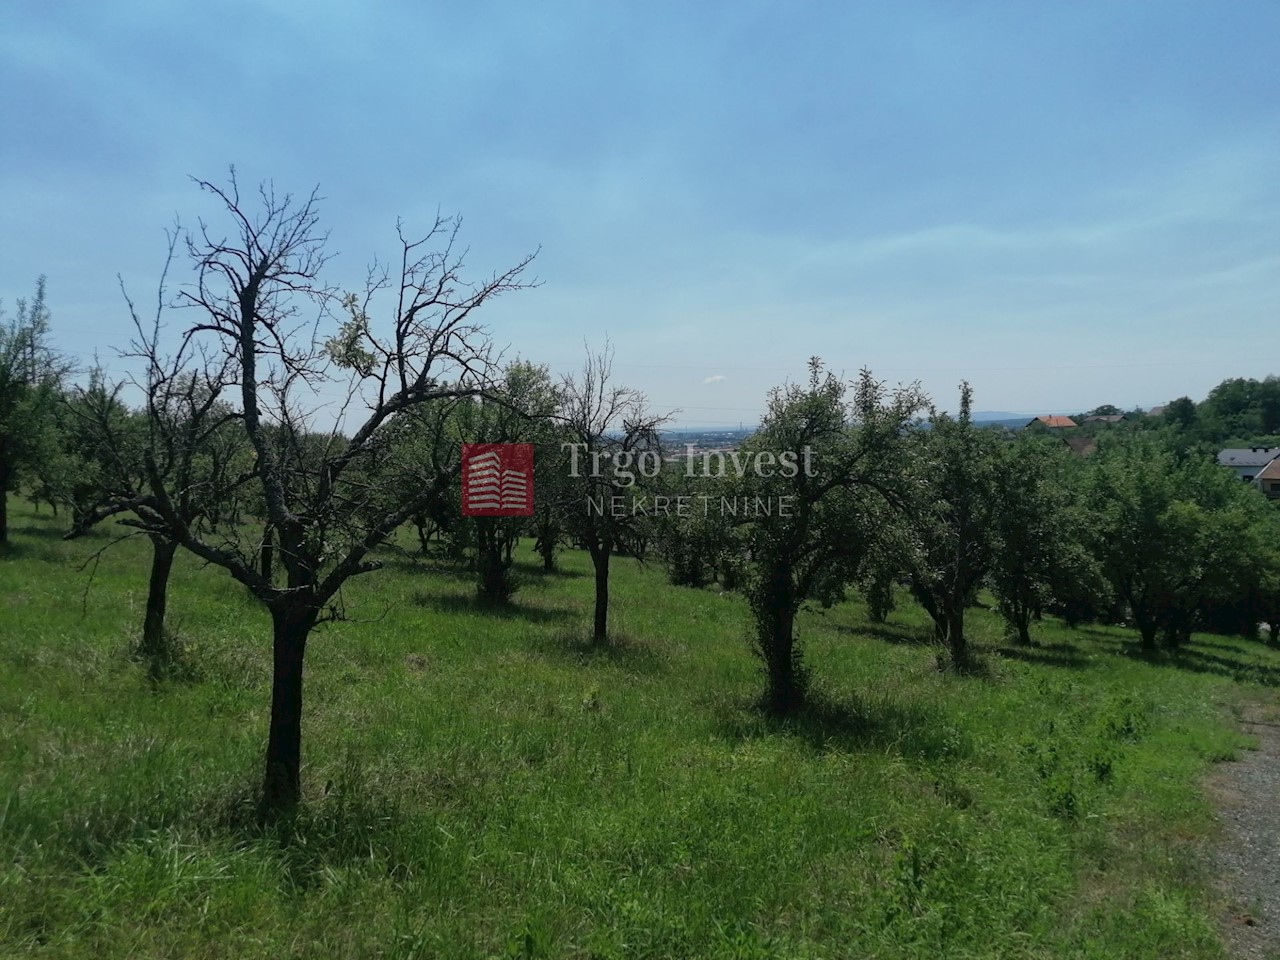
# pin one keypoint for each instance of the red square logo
(497, 479)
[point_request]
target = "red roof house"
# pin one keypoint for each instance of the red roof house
(1052, 421)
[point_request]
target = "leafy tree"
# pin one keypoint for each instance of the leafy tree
(1131, 489)
(695, 540)
(1241, 407)
(518, 410)
(820, 472)
(1037, 531)
(1222, 528)
(883, 567)
(31, 378)
(552, 494)
(953, 520)
(1174, 535)
(1263, 603)
(1181, 413)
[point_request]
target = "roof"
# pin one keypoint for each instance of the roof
(1105, 418)
(1081, 446)
(1247, 456)
(1271, 471)
(1155, 412)
(1050, 420)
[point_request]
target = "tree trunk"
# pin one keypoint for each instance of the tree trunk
(1273, 632)
(599, 629)
(956, 642)
(1017, 617)
(773, 605)
(1147, 631)
(281, 785)
(1024, 609)
(266, 553)
(154, 645)
(924, 596)
(784, 694)
(545, 544)
(1024, 632)
(494, 584)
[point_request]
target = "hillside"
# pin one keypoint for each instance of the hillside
(484, 785)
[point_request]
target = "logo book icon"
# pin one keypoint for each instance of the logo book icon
(497, 479)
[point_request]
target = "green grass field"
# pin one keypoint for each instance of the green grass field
(483, 785)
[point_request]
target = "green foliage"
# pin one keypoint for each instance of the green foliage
(350, 347)
(519, 409)
(1172, 535)
(479, 785)
(1041, 556)
(951, 519)
(819, 515)
(32, 374)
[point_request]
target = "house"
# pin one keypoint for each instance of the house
(1156, 412)
(1052, 422)
(1268, 479)
(1105, 418)
(1247, 461)
(1081, 446)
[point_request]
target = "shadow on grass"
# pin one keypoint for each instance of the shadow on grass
(1242, 668)
(1048, 655)
(53, 530)
(854, 725)
(915, 637)
(47, 550)
(10, 550)
(576, 646)
(347, 824)
(404, 561)
(535, 570)
(458, 603)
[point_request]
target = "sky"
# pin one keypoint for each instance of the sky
(1065, 204)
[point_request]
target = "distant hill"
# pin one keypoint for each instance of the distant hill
(999, 416)
(987, 417)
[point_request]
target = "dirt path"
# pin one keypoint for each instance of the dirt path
(1247, 858)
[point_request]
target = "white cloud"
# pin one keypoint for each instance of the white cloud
(717, 378)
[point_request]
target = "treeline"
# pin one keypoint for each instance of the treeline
(845, 486)
(1238, 412)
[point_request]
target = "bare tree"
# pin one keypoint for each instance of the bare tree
(259, 301)
(187, 433)
(609, 428)
(191, 439)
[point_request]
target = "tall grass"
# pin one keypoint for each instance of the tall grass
(483, 783)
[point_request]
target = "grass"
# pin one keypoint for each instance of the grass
(486, 785)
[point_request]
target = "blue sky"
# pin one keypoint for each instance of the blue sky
(1068, 204)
